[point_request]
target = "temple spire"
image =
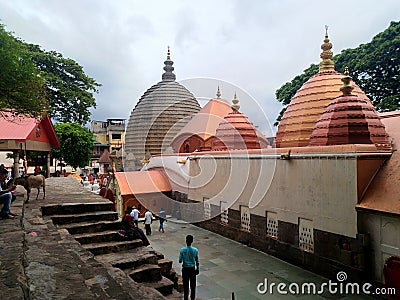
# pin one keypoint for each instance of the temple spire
(235, 106)
(326, 65)
(346, 79)
(218, 93)
(168, 68)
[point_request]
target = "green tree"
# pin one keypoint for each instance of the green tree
(68, 89)
(33, 81)
(374, 66)
(76, 144)
(22, 88)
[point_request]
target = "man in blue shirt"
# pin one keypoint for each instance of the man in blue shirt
(189, 257)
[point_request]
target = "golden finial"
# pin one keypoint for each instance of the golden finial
(218, 93)
(346, 79)
(326, 64)
(168, 54)
(235, 106)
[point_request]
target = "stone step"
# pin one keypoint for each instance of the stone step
(85, 217)
(145, 273)
(129, 259)
(97, 237)
(75, 208)
(135, 261)
(164, 286)
(173, 276)
(179, 285)
(112, 247)
(89, 227)
(159, 255)
(165, 265)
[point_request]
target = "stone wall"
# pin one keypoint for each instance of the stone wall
(332, 252)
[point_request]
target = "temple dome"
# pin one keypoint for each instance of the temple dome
(159, 115)
(235, 132)
(310, 101)
(349, 119)
(199, 132)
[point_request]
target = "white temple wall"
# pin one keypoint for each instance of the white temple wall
(321, 188)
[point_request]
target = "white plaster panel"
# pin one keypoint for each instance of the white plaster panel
(323, 189)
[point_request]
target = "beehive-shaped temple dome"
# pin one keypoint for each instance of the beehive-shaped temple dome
(348, 119)
(310, 101)
(158, 116)
(235, 132)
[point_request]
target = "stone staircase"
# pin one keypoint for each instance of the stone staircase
(95, 226)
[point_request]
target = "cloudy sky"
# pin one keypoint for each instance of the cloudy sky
(252, 47)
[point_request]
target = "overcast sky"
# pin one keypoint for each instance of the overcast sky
(255, 46)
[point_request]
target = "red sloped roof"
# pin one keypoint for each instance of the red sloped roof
(23, 128)
(142, 182)
(15, 128)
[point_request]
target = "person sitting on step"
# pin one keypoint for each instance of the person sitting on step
(131, 231)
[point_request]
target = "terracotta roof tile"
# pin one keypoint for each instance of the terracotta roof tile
(142, 182)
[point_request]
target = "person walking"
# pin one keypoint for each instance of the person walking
(135, 215)
(163, 218)
(189, 257)
(148, 219)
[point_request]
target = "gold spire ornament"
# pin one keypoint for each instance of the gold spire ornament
(218, 93)
(168, 54)
(326, 65)
(235, 106)
(346, 88)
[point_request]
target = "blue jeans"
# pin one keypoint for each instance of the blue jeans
(161, 225)
(5, 199)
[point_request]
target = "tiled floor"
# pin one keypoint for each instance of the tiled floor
(228, 267)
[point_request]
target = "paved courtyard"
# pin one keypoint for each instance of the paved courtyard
(228, 267)
(38, 261)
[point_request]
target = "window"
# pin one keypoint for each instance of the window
(245, 218)
(272, 224)
(306, 235)
(224, 213)
(116, 136)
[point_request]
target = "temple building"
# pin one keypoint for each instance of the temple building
(210, 128)
(325, 198)
(307, 105)
(161, 112)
